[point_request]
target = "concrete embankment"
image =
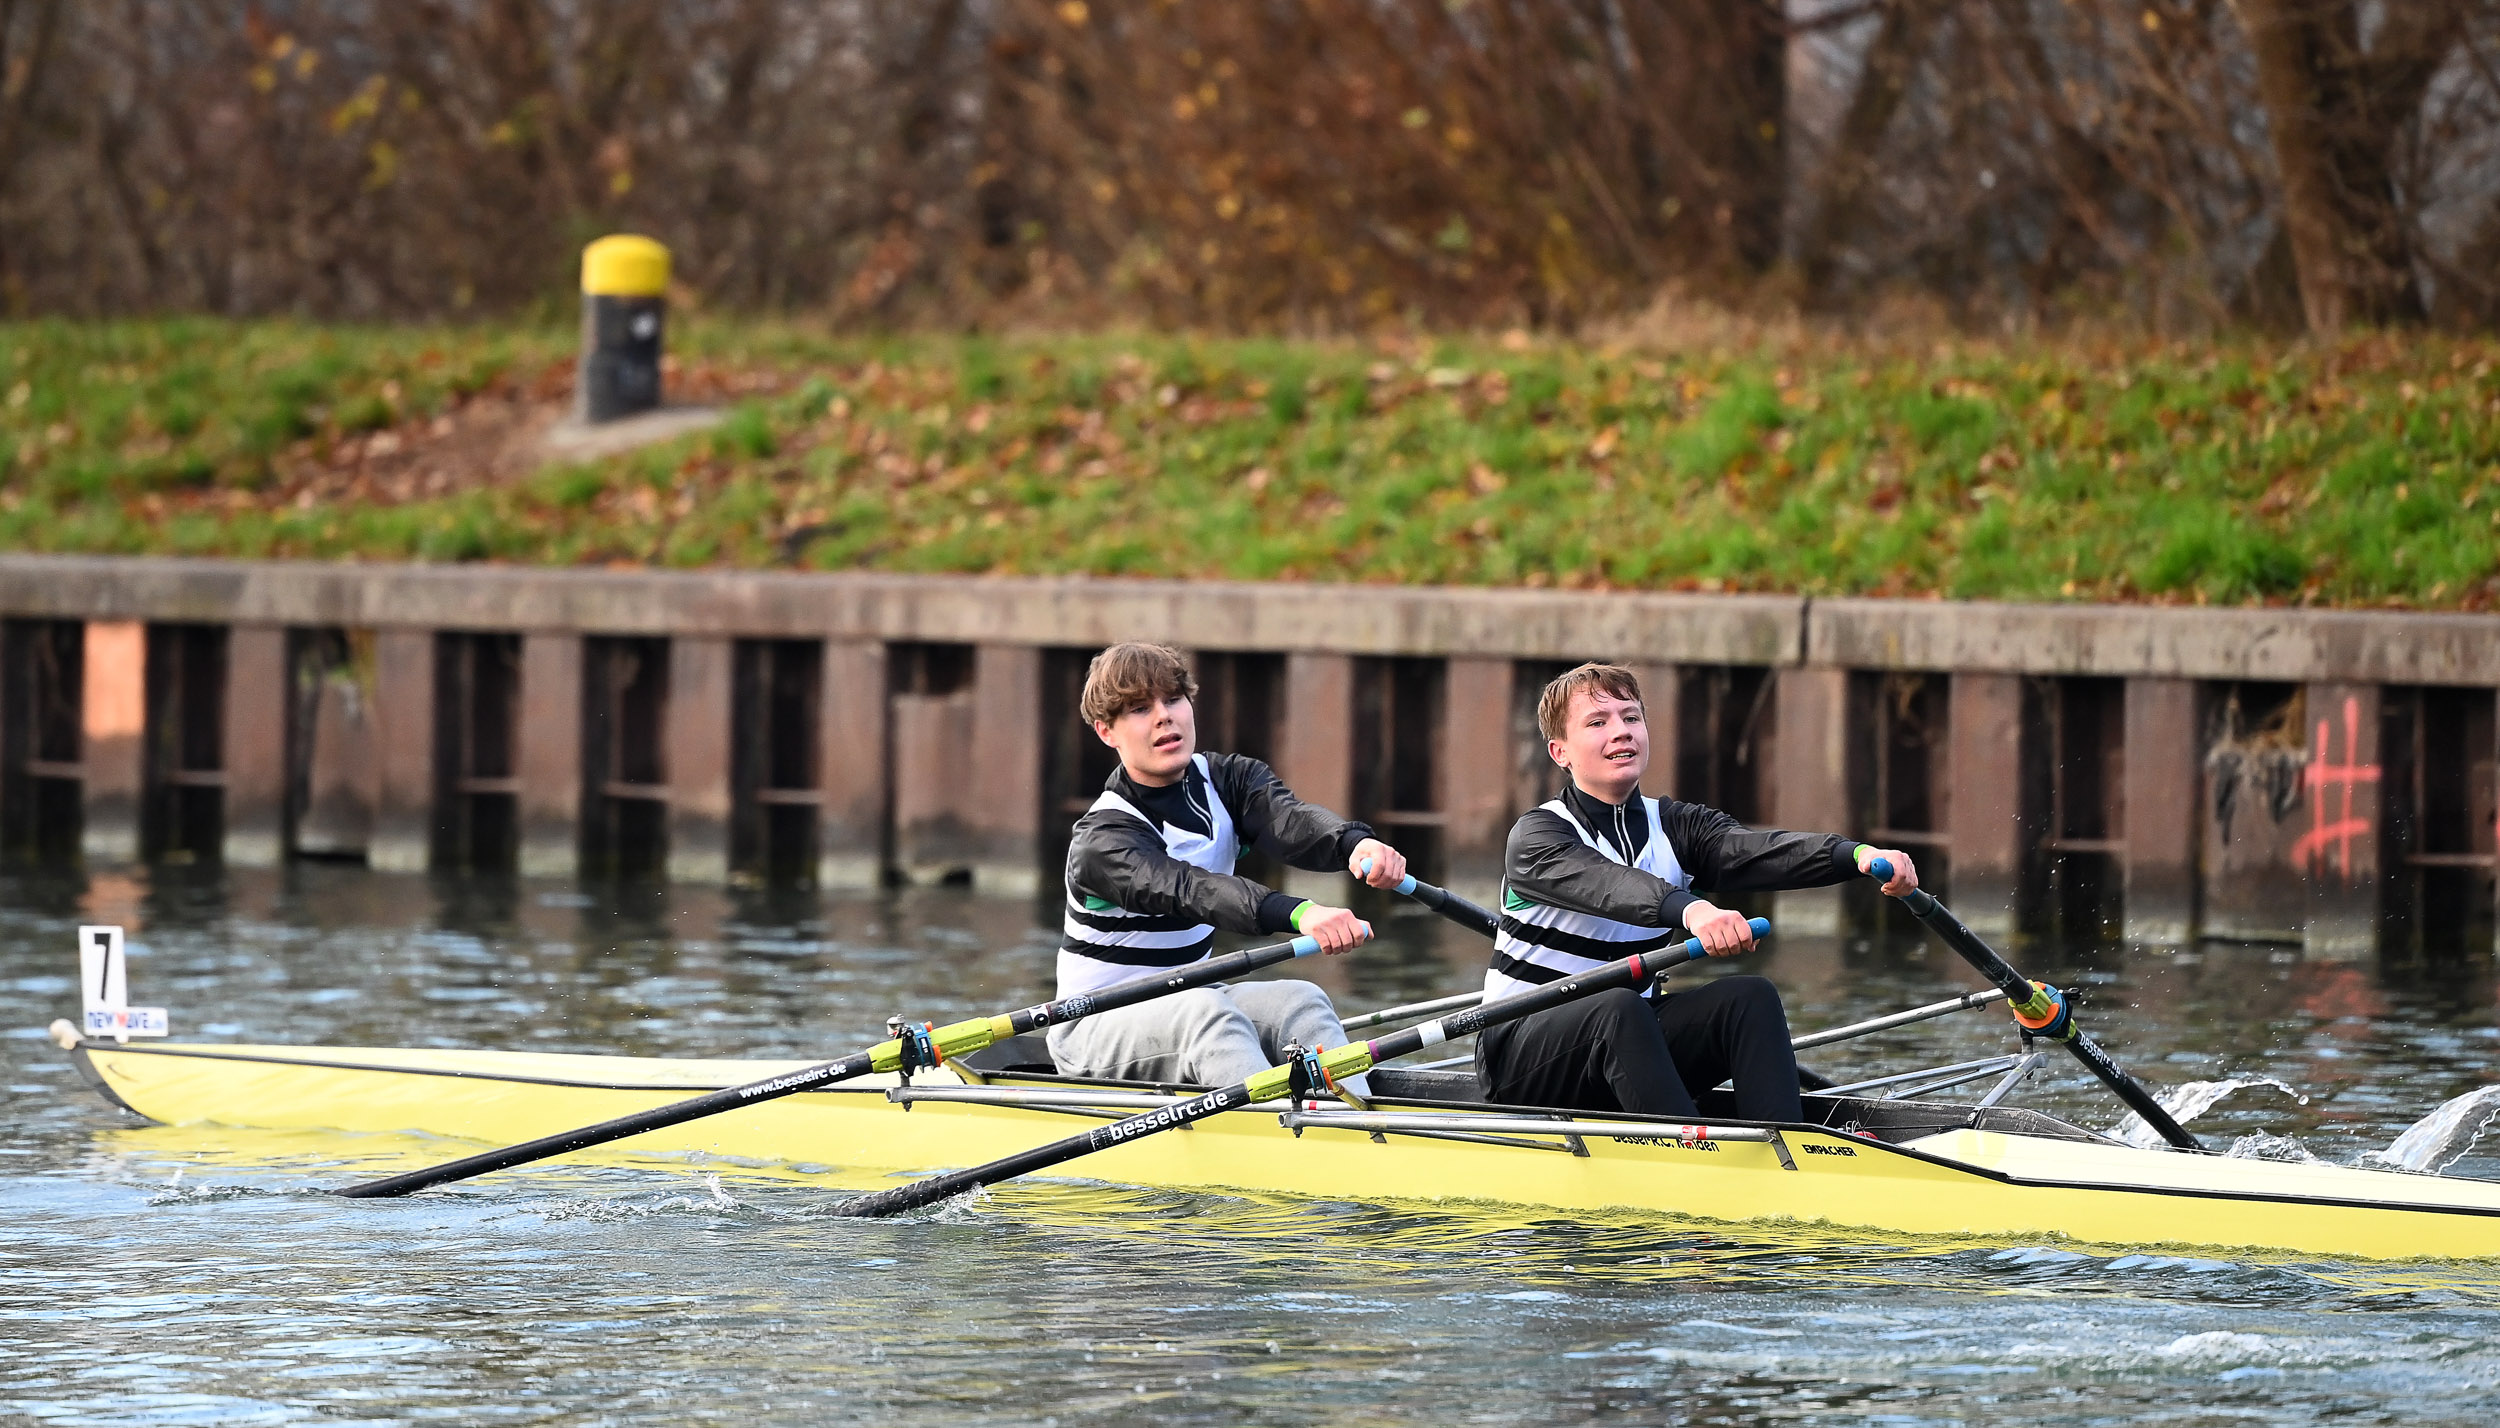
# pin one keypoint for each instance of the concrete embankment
(2316, 776)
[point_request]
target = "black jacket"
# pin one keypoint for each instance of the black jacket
(1122, 861)
(1547, 863)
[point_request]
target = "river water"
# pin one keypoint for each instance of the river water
(156, 1276)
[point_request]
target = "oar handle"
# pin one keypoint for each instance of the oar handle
(1336, 1064)
(2031, 1001)
(922, 1045)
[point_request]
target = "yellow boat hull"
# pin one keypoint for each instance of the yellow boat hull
(1960, 1182)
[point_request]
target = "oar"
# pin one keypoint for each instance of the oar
(923, 1045)
(1314, 1071)
(1450, 905)
(2041, 1010)
(1412, 1009)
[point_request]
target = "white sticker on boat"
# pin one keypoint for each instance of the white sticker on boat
(104, 985)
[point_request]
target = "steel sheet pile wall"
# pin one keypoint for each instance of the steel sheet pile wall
(2303, 775)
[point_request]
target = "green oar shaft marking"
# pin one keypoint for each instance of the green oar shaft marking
(1336, 1064)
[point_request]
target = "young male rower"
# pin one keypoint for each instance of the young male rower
(1602, 872)
(1150, 877)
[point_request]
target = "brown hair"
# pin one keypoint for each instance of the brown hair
(1554, 705)
(1133, 673)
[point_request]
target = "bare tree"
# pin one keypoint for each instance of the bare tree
(1293, 164)
(2336, 108)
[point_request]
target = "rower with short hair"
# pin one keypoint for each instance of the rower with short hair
(1602, 872)
(1150, 878)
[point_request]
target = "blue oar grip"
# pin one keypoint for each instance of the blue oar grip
(1406, 885)
(1917, 900)
(1691, 946)
(1305, 946)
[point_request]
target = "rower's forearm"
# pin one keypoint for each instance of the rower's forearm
(1739, 860)
(1270, 816)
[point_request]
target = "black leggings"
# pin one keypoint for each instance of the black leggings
(1618, 1051)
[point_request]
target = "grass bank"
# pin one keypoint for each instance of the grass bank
(2361, 474)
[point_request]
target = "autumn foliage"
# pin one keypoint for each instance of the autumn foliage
(1294, 165)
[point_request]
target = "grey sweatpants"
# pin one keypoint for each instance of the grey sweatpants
(1206, 1036)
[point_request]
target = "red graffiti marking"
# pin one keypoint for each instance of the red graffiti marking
(2322, 774)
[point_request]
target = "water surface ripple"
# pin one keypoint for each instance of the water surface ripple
(160, 1276)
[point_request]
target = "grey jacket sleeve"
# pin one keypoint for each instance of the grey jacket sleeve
(1546, 862)
(1115, 857)
(1725, 856)
(1304, 835)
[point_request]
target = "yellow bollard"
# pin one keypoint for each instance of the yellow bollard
(624, 305)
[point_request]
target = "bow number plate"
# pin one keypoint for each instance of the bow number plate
(105, 984)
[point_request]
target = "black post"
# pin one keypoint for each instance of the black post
(624, 306)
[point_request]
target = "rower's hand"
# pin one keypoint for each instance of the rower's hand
(1904, 872)
(1376, 863)
(1336, 929)
(1722, 933)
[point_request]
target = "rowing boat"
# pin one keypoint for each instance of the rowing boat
(1863, 1162)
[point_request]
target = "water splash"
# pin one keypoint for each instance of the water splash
(2266, 1145)
(2188, 1101)
(200, 1192)
(2440, 1139)
(716, 1200)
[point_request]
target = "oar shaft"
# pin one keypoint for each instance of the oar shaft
(1413, 1009)
(1450, 905)
(959, 1039)
(1631, 971)
(1900, 1018)
(1352, 1059)
(2018, 990)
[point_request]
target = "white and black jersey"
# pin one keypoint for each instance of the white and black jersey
(1586, 882)
(1150, 870)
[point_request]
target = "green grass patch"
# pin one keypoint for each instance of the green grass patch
(2360, 474)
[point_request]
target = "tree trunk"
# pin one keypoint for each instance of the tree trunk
(1849, 171)
(1757, 113)
(2334, 114)
(1737, 121)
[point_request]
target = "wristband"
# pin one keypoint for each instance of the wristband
(1305, 906)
